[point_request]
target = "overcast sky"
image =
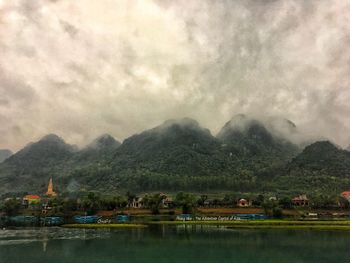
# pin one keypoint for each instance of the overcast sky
(87, 67)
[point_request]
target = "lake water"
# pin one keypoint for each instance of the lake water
(172, 244)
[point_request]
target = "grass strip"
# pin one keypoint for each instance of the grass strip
(103, 226)
(294, 227)
(273, 224)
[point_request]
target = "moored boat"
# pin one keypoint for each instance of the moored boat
(52, 221)
(122, 218)
(23, 220)
(86, 219)
(250, 217)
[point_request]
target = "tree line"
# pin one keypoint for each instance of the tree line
(92, 202)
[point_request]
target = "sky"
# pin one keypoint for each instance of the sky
(84, 68)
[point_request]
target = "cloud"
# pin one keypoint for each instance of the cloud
(84, 68)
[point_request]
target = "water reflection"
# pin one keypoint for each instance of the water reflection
(182, 243)
(25, 235)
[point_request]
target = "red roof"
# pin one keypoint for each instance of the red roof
(346, 193)
(32, 197)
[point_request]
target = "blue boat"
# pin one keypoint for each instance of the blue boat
(52, 221)
(23, 220)
(86, 219)
(250, 216)
(122, 218)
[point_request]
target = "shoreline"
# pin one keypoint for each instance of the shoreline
(91, 226)
(266, 224)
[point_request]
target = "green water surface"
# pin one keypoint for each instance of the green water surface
(172, 244)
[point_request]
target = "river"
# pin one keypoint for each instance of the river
(172, 244)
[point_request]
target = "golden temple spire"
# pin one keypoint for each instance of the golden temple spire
(50, 191)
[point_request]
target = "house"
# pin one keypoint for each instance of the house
(12, 198)
(273, 198)
(300, 200)
(168, 202)
(346, 195)
(31, 201)
(137, 202)
(243, 203)
(207, 203)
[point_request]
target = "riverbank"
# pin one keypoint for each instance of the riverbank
(341, 225)
(268, 224)
(103, 226)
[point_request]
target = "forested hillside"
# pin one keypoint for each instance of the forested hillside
(321, 165)
(247, 155)
(4, 154)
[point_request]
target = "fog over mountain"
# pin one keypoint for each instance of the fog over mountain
(84, 68)
(180, 154)
(4, 154)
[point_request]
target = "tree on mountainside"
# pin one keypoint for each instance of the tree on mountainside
(11, 206)
(186, 201)
(202, 200)
(154, 202)
(271, 208)
(91, 203)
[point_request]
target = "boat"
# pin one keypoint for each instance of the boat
(23, 220)
(250, 216)
(86, 219)
(52, 221)
(122, 218)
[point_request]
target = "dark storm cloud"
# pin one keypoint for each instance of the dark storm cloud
(84, 68)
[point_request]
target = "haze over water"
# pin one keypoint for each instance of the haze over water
(172, 244)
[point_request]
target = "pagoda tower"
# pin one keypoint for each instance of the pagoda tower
(50, 191)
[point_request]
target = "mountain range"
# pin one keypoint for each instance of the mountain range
(4, 154)
(247, 155)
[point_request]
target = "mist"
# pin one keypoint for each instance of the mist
(84, 68)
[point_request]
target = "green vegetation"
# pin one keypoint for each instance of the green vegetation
(187, 202)
(92, 202)
(266, 224)
(11, 207)
(182, 156)
(154, 202)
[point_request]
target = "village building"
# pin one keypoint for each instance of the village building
(137, 202)
(346, 195)
(12, 198)
(207, 203)
(31, 201)
(244, 203)
(168, 202)
(300, 200)
(273, 198)
(50, 193)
